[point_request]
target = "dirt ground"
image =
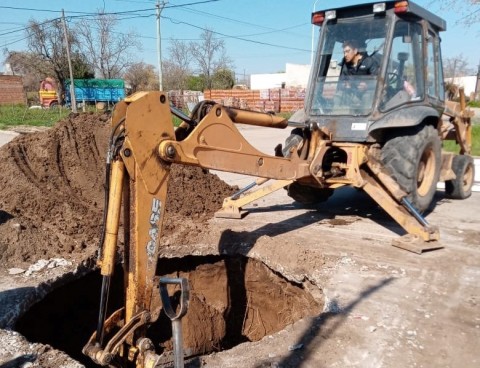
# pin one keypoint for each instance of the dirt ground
(363, 303)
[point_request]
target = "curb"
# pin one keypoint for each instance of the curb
(476, 182)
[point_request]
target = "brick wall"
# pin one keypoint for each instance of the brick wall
(11, 90)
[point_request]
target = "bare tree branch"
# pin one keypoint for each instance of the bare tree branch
(456, 66)
(108, 52)
(469, 10)
(47, 50)
(210, 56)
(176, 68)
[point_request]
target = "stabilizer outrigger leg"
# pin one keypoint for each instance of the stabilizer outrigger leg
(421, 235)
(232, 206)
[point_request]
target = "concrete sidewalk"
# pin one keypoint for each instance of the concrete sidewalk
(6, 136)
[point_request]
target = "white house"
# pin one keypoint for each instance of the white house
(468, 83)
(296, 75)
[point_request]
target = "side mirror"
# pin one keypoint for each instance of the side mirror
(403, 56)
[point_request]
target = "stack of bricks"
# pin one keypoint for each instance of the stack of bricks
(11, 90)
(277, 100)
(182, 98)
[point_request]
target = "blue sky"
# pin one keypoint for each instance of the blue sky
(279, 30)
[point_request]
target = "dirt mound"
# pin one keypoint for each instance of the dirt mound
(52, 183)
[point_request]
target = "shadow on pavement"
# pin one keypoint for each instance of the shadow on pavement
(320, 329)
(19, 361)
(348, 201)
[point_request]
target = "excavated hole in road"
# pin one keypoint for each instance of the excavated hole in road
(233, 299)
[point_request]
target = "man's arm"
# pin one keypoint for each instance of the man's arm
(372, 65)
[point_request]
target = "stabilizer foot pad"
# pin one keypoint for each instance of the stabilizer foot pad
(415, 244)
(231, 213)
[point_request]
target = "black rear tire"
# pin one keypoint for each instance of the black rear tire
(461, 186)
(305, 194)
(414, 160)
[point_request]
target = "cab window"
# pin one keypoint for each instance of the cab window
(403, 79)
(435, 87)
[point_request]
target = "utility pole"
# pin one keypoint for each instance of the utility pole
(72, 86)
(477, 85)
(159, 6)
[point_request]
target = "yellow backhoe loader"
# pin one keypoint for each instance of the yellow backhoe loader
(386, 142)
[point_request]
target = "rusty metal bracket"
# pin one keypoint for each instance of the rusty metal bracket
(105, 356)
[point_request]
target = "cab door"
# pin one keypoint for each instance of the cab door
(435, 90)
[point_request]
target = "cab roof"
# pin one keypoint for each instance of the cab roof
(410, 9)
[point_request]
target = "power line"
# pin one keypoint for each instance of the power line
(174, 21)
(12, 42)
(27, 27)
(196, 3)
(271, 30)
(39, 10)
(28, 36)
(137, 2)
(86, 16)
(107, 13)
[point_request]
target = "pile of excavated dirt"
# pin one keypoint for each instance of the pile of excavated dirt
(51, 202)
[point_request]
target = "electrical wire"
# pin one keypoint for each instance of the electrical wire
(26, 28)
(175, 21)
(109, 13)
(134, 14)
(270, 30)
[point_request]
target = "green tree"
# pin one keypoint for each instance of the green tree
(223, 79)
(195, 82)
(141, 77)
(80, 67)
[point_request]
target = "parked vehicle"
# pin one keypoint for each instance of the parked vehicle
(92, 91)
(109, 91)
(48, 93)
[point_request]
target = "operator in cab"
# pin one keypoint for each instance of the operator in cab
(358, 75)
(356, 62)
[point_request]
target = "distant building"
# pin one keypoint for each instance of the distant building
(296, 75)
(7, 69)
(11, 90)
(468, 83)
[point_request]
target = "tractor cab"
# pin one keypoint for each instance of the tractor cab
(373, 61)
